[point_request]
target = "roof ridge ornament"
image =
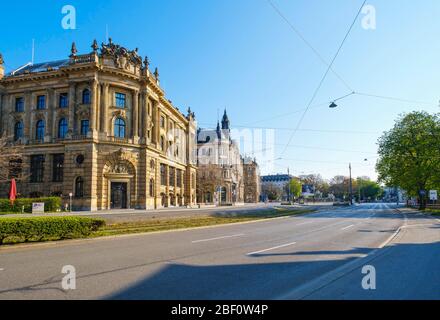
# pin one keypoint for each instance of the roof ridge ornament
(95, 46)
(73, 50)
(1, 59)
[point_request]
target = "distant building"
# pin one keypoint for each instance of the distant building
(278, 181)
(223, 176)
(251, 177)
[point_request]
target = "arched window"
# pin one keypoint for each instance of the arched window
(62, 128)
(151, 187)
(119, 128)
(18, 130)
(39, 133)
(86, 96)
(79, 187)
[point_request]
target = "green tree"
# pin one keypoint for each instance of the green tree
(295, 188)
(409, 154)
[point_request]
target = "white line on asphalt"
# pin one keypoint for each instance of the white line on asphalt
(350, 226)
(218, 238)
(277, 247)
(1, 269)
(301, 224)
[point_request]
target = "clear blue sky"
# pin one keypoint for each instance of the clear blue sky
(243, 56)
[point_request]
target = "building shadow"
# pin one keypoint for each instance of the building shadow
(404, 271)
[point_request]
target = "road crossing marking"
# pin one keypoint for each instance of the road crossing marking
(219, 238)
(274, 248)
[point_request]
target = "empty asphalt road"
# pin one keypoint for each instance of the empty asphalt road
(315, 256)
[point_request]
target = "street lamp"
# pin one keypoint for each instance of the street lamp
(70, 206)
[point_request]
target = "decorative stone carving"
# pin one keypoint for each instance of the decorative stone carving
(1, 59)
(122, 57)
(95, 46)
(73, 51)
(119, 168)
(83, 112)
(120, 114)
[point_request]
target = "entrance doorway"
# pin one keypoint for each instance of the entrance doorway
(119, 195)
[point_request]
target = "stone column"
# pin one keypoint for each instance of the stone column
(29, 109)
(167, 189)
(93, 106)
(104, 109)
(72, 103)
(135, 115)
(144, 116)
(51, 124)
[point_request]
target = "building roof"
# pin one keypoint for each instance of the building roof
(41, 67)
(277, 178)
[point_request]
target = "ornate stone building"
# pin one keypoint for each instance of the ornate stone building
(251, 178)
(98, 126)
(221, 177)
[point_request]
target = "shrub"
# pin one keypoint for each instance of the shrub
(46, 228)
(51, 204)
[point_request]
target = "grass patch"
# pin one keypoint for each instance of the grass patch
(433, 212)
(193, 222)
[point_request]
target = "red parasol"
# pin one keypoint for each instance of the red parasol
(13, 191)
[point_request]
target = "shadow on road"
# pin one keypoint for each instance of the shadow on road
(404, 271)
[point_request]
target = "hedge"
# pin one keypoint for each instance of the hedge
(15, 230)
(51, 204)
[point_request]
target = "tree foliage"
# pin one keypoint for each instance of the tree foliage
(410, 154)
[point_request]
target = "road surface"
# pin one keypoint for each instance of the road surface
(315, 256)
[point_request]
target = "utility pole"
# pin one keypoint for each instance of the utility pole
(351, 188)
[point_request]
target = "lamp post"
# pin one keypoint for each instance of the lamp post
(351, 187)
(70, 205)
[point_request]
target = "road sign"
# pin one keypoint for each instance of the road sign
(38, 207)
(433, 195)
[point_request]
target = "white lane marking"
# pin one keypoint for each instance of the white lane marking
(301, 224)
(219, 238)
(274, 248)
(1, 269)
(350, 226)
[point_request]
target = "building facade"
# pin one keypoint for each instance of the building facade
(275, 184)
(220, 166)
(251, 178)
(98, 127)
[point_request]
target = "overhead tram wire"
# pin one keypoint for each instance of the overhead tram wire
(308, 44)
(324, 77)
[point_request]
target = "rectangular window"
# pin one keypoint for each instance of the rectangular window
(84, 127)
(162, 121)
(41, 102)
(58, 168)
(163, 175)
(120, 100)
(179, 178)
(37, 168)
(19, 105)
(64, 100)
(172, 176)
